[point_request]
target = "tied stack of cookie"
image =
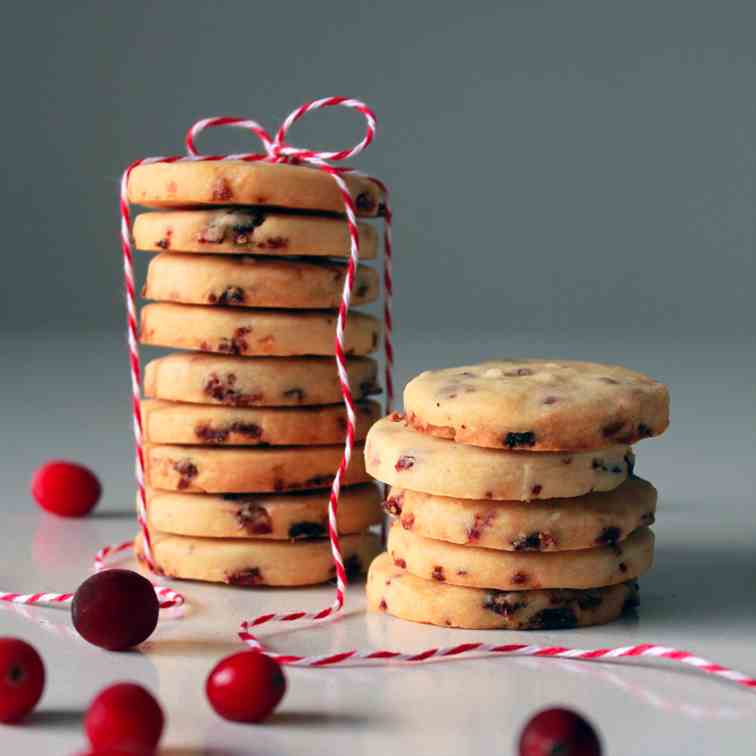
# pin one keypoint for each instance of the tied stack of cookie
(513, 488)
(244, 431)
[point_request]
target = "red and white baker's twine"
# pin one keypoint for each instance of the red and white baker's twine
(277, 150)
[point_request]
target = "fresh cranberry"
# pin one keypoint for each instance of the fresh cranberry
(115, 609)
(65, 488)
(245, 687)
(22, 679)
(124, 717)
(559, 732)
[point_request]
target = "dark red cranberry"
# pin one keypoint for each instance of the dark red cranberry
(514, 440)
(124, 717)
(405, 462)
(115, 609)
(245, 687)
(22, 679)
(612, 429)
(306, 530)
(65, 488)
(559, 732)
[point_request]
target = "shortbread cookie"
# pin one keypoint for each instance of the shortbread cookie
(395, 591)
(261, 382)
(295, 516)
(557, 405)
(512, 570)
(243, 470)
(247, 562)
(236, 182)
(595, 519)
(402, 457)
(245, 230)
(254, 332)
(245, 281)
(178, 423)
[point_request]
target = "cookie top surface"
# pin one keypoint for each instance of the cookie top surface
(402, 457)
(540, 405)
(237, 182)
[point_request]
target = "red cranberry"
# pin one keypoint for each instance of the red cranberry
(115, 609)
(65, 488)
(559, 731)
(245, 687)
(22, 679)
(124, 717)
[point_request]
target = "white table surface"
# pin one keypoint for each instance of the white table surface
(66, 397)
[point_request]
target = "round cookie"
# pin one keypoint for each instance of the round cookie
(595, 519)
(556, 405)
(245, 281)
(262, 382)
(296, 516)
(239, 182)
(254, 332)
(177, 423)
(511, 570)
(247, 562)
(402, 457)
(395, 591)
(246, 230)
(243, 470)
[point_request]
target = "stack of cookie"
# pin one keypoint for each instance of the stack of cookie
(514, 494)
(244, 432)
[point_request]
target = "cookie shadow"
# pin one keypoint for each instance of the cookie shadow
(55, 719)
(701, 585)
(313, 720)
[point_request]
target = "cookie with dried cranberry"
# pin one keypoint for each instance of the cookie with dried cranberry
(203, 469)
(250, 230)
(403, 457)
(595, 519)
(249, 562)
(393, 590)
(238, 331)
(475, 567)
(538, 405)
(178, 423)
(245, 281)
(281, 517)
(263, 382)
(236, 182)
